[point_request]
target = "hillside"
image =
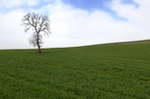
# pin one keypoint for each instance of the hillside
(108, 71)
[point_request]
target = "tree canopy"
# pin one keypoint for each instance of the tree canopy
(40, 26)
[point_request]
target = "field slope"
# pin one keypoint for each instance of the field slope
(109, 71)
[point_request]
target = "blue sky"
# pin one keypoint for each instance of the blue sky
(76, 22)
(88, 4)
(94, 4)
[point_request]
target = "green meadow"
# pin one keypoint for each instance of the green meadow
(107, 71)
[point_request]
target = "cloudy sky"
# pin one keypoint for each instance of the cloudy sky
(76, 22)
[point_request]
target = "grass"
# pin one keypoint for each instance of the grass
(111, 71)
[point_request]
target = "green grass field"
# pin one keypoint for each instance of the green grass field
(109, 71)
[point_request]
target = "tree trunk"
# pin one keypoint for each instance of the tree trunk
(38, 43)
(39, 49)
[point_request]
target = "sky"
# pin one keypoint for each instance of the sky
(76, 22)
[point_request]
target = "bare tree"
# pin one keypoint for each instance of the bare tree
(39, 24)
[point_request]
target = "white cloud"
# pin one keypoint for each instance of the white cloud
(4, 4)
(98, 26)
(12, 35)
(10, 4)
(73, 27)
(136, 16)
